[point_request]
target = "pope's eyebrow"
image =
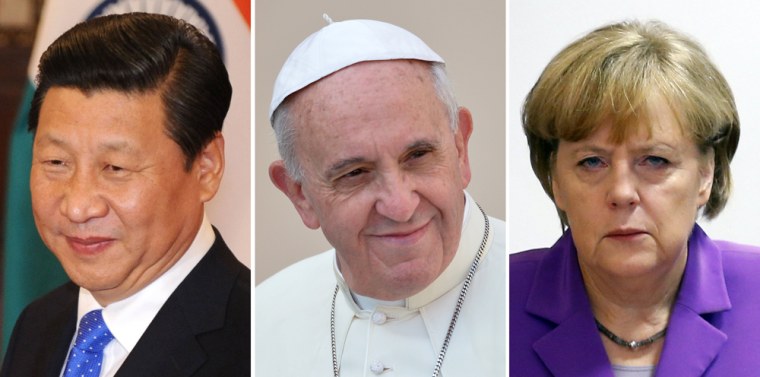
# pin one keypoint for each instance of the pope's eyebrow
(340, 165)
(337, 167)
(422, 144)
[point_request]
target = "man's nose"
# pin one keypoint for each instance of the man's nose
(397, 199)
(622, 191)
(82, 200)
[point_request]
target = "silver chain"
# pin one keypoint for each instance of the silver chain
(454, 317)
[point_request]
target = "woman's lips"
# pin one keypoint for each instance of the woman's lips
(626, 234)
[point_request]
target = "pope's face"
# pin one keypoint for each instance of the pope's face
(383, 174)
(110, 193)
(631, 206)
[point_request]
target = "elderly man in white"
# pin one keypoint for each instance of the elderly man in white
(375, 153)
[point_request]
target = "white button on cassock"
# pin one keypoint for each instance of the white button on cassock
(379, 318)
(377, 367)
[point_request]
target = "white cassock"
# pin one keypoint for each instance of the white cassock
(293, 336)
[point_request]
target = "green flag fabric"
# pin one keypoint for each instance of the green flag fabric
(29, 269)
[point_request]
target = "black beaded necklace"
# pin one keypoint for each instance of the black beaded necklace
(630, 344)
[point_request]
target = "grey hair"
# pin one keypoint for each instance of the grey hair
(285, 132)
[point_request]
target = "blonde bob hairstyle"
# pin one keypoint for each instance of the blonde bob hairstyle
(609, 74)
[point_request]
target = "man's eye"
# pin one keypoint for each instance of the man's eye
(114, 169)
(353, 173)
(418, 153)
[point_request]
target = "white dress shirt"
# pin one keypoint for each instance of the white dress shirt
(129, 318)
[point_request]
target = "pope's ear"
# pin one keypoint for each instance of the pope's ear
(462, 139)
(294, 191)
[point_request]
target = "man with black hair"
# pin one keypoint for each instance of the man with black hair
(127, 121)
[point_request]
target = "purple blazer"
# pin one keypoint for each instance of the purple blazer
(714, 328)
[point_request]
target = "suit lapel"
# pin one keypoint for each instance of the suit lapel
(58, 331)
(170, 346)
(167, 348)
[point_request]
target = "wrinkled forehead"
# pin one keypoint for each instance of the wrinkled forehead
(395, 83)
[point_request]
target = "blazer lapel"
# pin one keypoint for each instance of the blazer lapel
(691, 344)
(703, 291)
(573, 347)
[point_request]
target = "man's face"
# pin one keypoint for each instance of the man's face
(383, 174)
(110, 194)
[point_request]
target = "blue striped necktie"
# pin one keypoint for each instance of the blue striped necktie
(86, 357)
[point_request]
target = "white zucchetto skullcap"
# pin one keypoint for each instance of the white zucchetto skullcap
(341, 44)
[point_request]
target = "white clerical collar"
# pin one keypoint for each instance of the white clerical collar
(473, 227)
(129, 318)
(369, 303)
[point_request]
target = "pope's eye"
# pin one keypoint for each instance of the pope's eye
(353, 173)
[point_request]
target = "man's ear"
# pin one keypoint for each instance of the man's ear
(211, 167)
(294, 191)
(461, 139)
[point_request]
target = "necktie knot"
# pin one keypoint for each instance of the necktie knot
(93, 334)
(85, 358)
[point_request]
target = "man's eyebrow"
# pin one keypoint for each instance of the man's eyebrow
(117, 146)
(340, 165)
(422, 144)
(109, 146)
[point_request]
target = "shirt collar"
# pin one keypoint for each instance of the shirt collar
(473, 228)
(129, 318)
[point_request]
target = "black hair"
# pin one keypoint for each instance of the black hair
(141, 53)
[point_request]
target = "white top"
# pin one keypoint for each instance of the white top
(129, 318)
(391, 338)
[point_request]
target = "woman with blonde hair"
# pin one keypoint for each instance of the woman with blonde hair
(631, 132)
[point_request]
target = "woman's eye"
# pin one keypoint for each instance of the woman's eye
(655, 161)
(591, 162)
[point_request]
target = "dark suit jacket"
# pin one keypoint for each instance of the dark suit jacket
(203, 329)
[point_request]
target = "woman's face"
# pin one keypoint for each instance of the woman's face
(631, 206)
